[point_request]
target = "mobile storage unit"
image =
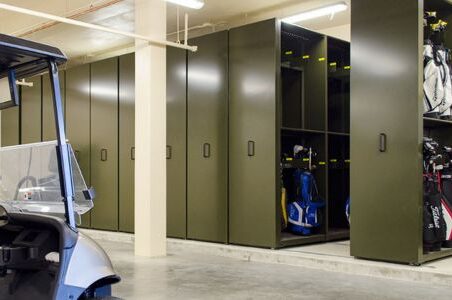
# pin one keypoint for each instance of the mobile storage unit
(48, 123)
(176, 139)
(288, 86)
(78, 125)
(126, 142)
(197, 137)
(388, 128)
(30, 112)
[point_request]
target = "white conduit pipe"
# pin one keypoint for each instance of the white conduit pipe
(93, 26)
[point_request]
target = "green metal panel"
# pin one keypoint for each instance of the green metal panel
(386, 97)
(126, 142)
(316, 85)
(48, 118)
(253, 76)
(104, 143)
(207, 181)
(176, 142)
(78, 121)
(10, 126)
(30, 110)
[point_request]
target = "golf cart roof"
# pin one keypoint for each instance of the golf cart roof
(27, 58)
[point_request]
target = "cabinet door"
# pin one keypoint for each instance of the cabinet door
(176, 138)
(48, 116)
(30, 110)
(10, 127)
(126, 141)
(253, 53)
(104, 143)
(78, 121)
(386, 180)
(207, 201)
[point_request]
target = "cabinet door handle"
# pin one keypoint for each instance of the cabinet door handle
(251, 148)
(383, 142)
(103, 154)
(206, 150)
(132, 153)
(169, 152)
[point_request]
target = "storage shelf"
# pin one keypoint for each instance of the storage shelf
(436, 123)
(338, 234)
(285, 66)
(445, 252)
(288, 129)
(338, 133)
(289, 239)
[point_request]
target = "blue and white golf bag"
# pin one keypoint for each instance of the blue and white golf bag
(347, 209)
(304, 214)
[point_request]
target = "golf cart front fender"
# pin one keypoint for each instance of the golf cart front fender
(88, 264)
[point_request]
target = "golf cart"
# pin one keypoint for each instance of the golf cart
(42, 195)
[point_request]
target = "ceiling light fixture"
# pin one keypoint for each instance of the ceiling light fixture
(316, 13)
(196, 4)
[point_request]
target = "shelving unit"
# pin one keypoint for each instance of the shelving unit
(301, 101)
(388, 129)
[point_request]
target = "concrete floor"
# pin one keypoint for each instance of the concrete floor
(191, 275)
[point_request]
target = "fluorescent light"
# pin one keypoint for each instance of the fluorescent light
(316, 13)
(196, 4)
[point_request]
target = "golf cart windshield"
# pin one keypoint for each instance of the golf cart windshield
(30, 181)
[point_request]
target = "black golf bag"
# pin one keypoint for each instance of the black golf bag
(446, 201)
(434, 222)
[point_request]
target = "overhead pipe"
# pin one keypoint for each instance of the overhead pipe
(96, 27)
(75, 14)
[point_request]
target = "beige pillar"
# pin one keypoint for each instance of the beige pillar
(150, 130)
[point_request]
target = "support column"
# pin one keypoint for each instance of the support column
(150, 130)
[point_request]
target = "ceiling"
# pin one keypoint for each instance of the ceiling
(119, 14)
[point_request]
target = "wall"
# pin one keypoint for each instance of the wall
(340, 32)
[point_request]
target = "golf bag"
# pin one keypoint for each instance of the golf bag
(437, 82)
(304, 214)
(446, 202)
(347, 210)
(437, 70)
(434, 223)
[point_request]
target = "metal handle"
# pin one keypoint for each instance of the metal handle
(206, 150)
(251, 148)
(132, 153)
(169, 152)
(383, 142)
(103, 154)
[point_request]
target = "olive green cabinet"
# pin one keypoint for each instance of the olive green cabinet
(10, 127)
(207, 98)
(388, 127)
(126, 142)
(176, 138)
(253, 77)
(282, 89)
(48, 117)
(31, 111)
(78, 121)
(104, 143)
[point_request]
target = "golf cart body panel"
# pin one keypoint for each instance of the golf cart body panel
(88, 255)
